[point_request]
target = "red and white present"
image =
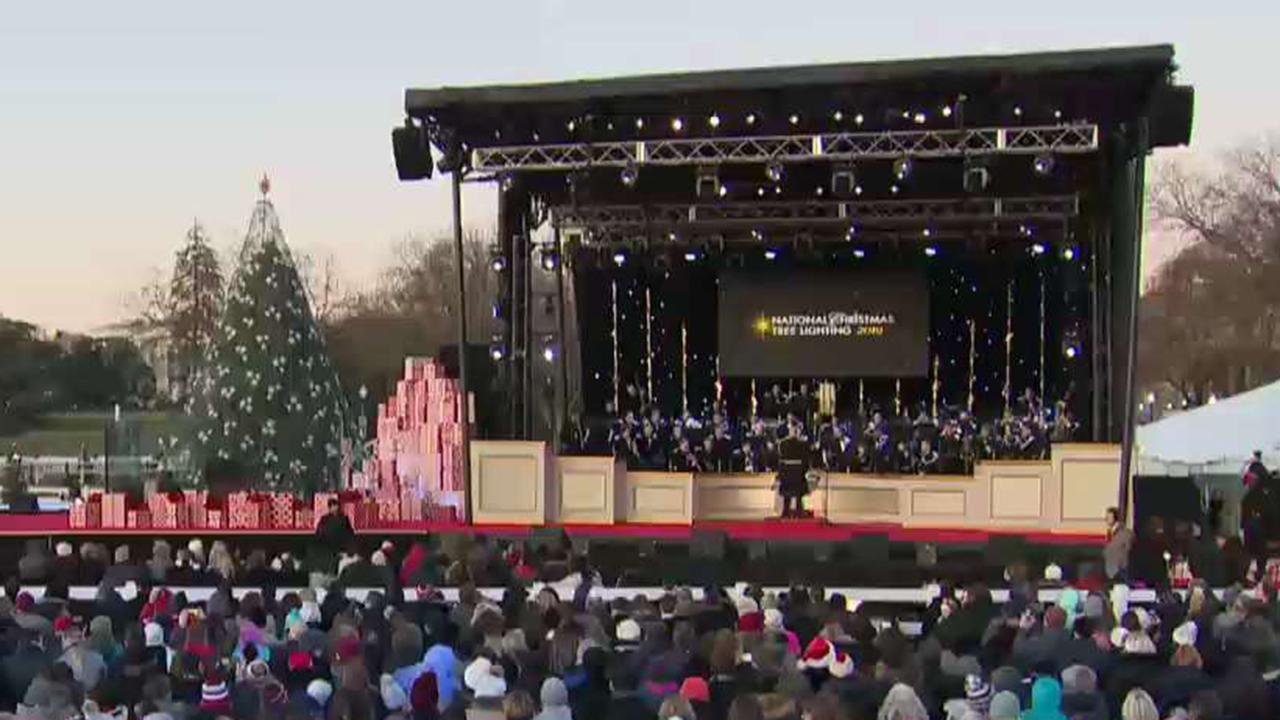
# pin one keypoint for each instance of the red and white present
(197, 510)
(79, 514)
(304, 519)
(388, 510)
(246, 511)
(113, 511)
(214, 519)
(280, 509)
(320, 503)
(410, 507)
(138, 520)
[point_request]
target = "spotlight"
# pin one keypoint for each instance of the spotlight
(1044, 164)
(751, 118)
(620, 258)
(677, 124)
(757, 235)
(837, 116)
(927, 232)
(902, 168)
(571, 126)
(639, 123)
(895, 189)
(858, 119)
(794, 119)
(714, 120)
(843, 179)
(1037, 249)
(851, 233)
(498, 263)
(857, 189)
(499, 310)
(497, 350)
(1068, 253)
(550, 258)
(770, 254)
(931, 251)
(1057, 114)
(946, 111)
(707, 182)
(724, 190)
(1017, 111)
(549, 353)
(630, 175)
(691, 256)
(859, 253)
(920, 118)
(506, 182)
(760, 192)
(1071, 352)
(773, 171)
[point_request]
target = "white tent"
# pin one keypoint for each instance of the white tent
(1214, 439)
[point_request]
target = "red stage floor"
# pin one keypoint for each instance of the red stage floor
(815, 530)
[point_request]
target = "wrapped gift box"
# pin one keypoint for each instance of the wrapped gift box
(305, 519)
(280, 509)
(79, 515)
(197, 509)
(214, 519)
(138, 520)
(388, 510)
(113, 511)
(247, 511)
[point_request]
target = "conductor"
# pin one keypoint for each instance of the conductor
(793, 467)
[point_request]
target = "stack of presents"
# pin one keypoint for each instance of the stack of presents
(414, 476)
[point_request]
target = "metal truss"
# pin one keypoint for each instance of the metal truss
(1065, 139)
(606, 224)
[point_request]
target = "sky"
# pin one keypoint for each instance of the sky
(121, 123)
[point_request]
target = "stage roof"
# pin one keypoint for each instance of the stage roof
(1219, 437)
(1120, 74)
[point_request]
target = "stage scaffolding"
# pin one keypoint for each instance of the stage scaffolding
(566, 158)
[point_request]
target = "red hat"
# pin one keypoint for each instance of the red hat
(694, 689)
(841, 665)
(299, 660)
(751, 622)
(819, 655)
(63, 624)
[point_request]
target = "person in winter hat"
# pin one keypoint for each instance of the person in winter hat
(555, 701)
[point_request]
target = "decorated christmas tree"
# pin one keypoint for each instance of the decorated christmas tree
(268, 400)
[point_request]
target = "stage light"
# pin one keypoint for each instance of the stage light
(1037, 249)
(902, 168)
(639, 123)
(859, 253)
(794, 119)
(751, 118)
(1071, 352)
(714, 121)
(760, 192)
(858, 119)
(773, 170)
(497, 351)
(1057, 114)
(630, 175)
(620, 258)
(894, 189)
(1017, 111)
(505, 182)
(691, 256)
(724, 190)
(844, 178)
(757, 235)
(571, 126)
(707, 181)
(819, 191)
(931, 251)
(498, 263)
(920, 118)
(770, 254)
(851, 233)
(1151, 398)
(927, 232)
(946, 111)
(550, 258)
(1044, 164)
(671, 237)
(498, 311)
(549, 353)
(1068, 253)
(857, 189)
(777, 189)
(677, 124)
(837, 116)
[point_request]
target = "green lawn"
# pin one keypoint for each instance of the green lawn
(65, 434)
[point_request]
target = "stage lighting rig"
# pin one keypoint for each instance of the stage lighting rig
(774, 171)
(707, 184)
(498, 263)
(412, 151)
(844, 180)
(902, 168)
(497, 349)
(1044, 164)
(550, 257)
(630, 175)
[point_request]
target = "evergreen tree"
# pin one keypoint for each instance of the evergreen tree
(194, 298)
(268, 398)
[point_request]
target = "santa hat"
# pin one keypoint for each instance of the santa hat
(214, 696)
(300, 661)
(1186, 634)
(695, 689)
(63, 624)
(773, 620)
(818, 656)
(841, 665)
(751, 622)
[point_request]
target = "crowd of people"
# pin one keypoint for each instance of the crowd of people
(143, 649)
(912, 441)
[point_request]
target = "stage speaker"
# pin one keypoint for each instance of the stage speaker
(1002, 550)
(1172, 109)
(1167, 497)
(412, 151)
(707, 544)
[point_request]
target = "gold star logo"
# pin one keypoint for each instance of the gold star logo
(762, 326)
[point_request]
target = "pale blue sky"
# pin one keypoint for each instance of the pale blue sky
(120, 122)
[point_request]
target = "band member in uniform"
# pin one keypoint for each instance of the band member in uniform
(793, 465)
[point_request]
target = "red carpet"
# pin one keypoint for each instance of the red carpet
(809, 530)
